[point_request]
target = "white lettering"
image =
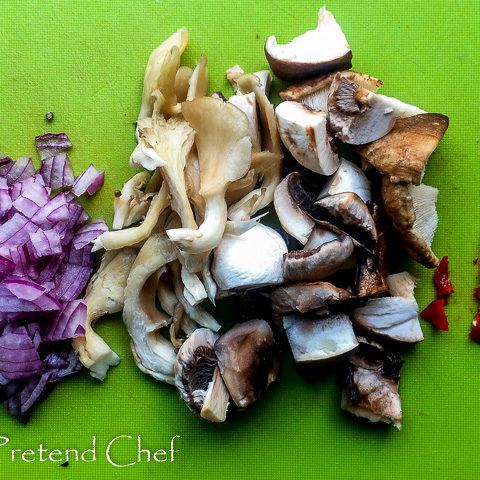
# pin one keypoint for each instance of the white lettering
(172, 451)
(13, 454)
(54, 453)
(67, 453)
(93, 451)
(109, 459)
(28, 452)
(42, 450)
(5, 441)
(140, 451)
(160, 452)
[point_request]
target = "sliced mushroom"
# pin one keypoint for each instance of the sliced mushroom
(403, 153)
(247, 359)
(317, 51)
(182, 82)
(346, 213)
(292, 218)
(370, 384)
(250, 260)
(264, 78)
(319, 236)
(414, 220)
(304, 133)
(197, 376)
(368, 281)
(315, 340)
(198, 82)
(248, 105)
(358, 116)
(348, 178)
(313, 92)
(305, 297)
(401, 284)
(319, 263)
(105, 294)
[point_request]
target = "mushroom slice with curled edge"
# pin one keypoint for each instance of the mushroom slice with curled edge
(317, 51)
(403, 153)
(315, 340)
(198, 82)
(198, 378)
(292, 218)
(370, 384)
(346, 213)
(368, 279)
(304, 133)
(251, 260)
(247, 358)
(358, 116)
(248, 105)
(131, 204)
(105, 294)
(305, 297)
(182, 82)
(313, 92)
(348, 178)
(153, 353)
(319, 236)
(224, 153)
(412, 212)
(319, 263)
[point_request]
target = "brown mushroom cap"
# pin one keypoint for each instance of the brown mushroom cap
(247, 360)
(369, 281)
(319, 263)
(403, 153)
(305, 297)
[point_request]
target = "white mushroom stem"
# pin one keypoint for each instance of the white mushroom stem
(105, 294)
(216, 399)
(194, 291)
(152, 352)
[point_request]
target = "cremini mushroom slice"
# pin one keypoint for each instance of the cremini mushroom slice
(224, 153)
(131, 204)
(182, 82)
(247, 359)
(317, 51)
(248, 105)
(370, 384)
(305, 297)
(403, 153)
(319, 236)
(198, 83)
(153, 354)
(369, 280)
(315, 339)
(416, 231)
(171, 140)
(401, 284)
(304, 133)
(348, 178)
(134, 235)
(313, 92)
(346, 213)
(157, 79)
(319, 263)
(292, 218)
(198, 379)
(105, 294)
(358, 116)
(250, 260)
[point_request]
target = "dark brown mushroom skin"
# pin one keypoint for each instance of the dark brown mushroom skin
(298, 70)
(247, 358)
(368, 280)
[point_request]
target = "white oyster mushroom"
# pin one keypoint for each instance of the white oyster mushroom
(304, 133)
(322, 50)
(248, 105)
(348, 178)
(314, 339)
(250, 260)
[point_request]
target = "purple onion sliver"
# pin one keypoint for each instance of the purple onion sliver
(89, 233)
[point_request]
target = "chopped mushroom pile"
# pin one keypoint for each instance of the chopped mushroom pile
(187, 232)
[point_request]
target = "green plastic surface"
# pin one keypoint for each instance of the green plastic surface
(84, 60)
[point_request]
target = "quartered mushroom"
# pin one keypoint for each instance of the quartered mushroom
(198, 378)
(250, 260)
(292, 218)
(317, 51)
(248, 105)
(413, 214)
(319, 263)
(247, 359)
(348, 178)
(370, 384)
(403, 153)
(105, 294)
(313, 92)
(319, 339)
(369, 280)
(304, 133)
(305, 297)
(358, 116)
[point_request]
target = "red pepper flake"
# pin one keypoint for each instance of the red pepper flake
(442, 280)
(435, 314)
(475, 261)
(475, 333)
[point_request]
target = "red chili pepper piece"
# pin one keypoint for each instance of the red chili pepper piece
(442, 280)
(475, 261)
(476, 293)
(435, 314)
(475, 333)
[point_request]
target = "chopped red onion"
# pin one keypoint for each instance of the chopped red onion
(89, 181)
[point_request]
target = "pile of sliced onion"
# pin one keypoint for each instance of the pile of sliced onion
(45, 264)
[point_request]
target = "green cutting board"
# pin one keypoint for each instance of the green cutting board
(84, 60)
